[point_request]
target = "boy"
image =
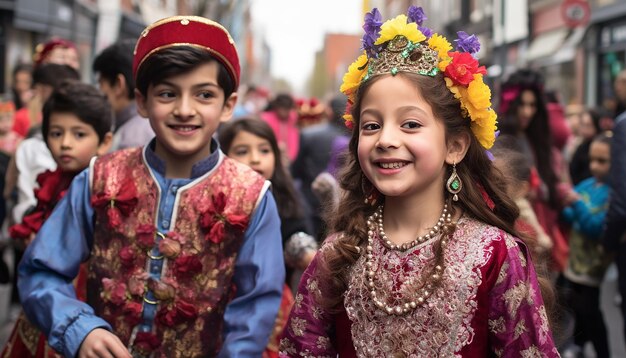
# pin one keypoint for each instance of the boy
(114, 66)
(76, 126)
(183, 245)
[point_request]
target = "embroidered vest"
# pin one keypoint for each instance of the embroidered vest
(198, 253)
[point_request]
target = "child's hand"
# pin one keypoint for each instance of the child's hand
(101, 343)
(571, 198)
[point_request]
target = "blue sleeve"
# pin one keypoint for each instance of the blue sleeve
(49, 265)
(590, 223)
(259, 278)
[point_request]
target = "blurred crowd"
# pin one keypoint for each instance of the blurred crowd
(559, 161)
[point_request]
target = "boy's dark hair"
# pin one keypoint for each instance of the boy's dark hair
(179, 60)
(282, 100)
(82, 100)
(114, 60)
(53, 74)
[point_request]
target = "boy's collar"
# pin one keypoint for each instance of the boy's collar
(199, 169)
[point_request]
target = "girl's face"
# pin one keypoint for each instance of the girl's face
(402, 145)
(586, 128)
(73, 142)
(254, 151)
(599, 160)
(527, 109)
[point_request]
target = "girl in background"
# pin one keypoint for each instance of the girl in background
(525, 116)
(586, 210)
(252, 142)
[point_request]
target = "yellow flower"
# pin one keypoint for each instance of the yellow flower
(352, 78)
(398, 26)
(440, 44)
(485, 130)
(479, 93)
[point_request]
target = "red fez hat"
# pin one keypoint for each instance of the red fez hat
(192, 31)
(42, 50)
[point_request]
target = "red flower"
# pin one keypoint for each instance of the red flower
(113, 291)
(132, 313)
(218, 224)
(117, 205)
(127, 256)
(52, 188)
(145, 235)
(146, 343)
(137, 283)
(462, 68)
(187, 266)
(177, 237)
(180, 312)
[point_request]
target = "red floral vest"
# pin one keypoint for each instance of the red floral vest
(199, 252)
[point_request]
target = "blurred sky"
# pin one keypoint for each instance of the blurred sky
(294, 29)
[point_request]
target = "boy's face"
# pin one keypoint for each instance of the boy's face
(73, 142)
(184, 112)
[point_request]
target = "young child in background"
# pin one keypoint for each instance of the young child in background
(424, 261)
(252, 142)
(9, 139)
(588, 262)
(518, 173)
(76, 127)
(182, 243)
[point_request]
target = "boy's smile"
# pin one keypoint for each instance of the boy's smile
(184, 112)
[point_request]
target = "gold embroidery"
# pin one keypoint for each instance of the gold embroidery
(497, 325)
(514, 297)
(323, 342)
(298, 302)
(531, 352)
(503, 272)
(443, 325)
(298, 325)
(520, 328)
(522, 258)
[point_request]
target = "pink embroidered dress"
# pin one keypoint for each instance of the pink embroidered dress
(487, 304)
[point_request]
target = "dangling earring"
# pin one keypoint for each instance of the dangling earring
(370, 192)
(454, 184)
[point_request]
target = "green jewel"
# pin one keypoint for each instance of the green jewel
(455, 184)
(394, 71)
(405, 53)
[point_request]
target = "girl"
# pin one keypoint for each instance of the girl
(588, 262)
(76, 127)
(425, 262)
(525, 115)
(252, 142)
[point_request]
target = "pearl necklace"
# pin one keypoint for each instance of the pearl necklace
(423, 292)
(420, 239)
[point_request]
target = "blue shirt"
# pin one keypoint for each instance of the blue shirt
(65, 240)
(587, 214)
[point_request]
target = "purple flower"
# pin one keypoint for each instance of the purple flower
(467, 43)
(373, 22)
(416, 14)
(426, 31)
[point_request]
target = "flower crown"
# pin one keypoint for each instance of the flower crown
(402, 44)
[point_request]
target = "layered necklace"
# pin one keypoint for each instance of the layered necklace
(375, 224)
